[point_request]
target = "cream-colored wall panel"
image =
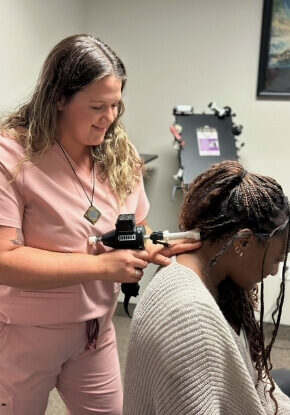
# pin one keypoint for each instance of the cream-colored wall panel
(28, 30)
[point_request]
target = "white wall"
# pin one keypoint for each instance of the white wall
(28, 30)
(176, 52)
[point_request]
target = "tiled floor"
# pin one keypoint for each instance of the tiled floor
(280, 353)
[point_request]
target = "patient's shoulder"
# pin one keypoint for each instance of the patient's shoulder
(176, 295)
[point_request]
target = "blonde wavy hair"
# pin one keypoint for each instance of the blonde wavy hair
(72, 65)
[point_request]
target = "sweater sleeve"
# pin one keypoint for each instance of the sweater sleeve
(182, 358)
(283, 401)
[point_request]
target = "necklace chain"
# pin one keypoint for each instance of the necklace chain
(90, 200)
(92, 214)
(205, 276)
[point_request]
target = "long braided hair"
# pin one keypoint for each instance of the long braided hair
(220, 202)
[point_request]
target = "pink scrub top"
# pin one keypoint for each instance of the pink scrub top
(47, 202)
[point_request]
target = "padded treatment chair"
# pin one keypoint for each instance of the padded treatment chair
(282, 378)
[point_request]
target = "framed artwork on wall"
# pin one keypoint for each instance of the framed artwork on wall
(274, 64)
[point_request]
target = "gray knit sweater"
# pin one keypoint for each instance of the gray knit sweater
(185, 359)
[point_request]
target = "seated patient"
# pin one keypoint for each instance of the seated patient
(195, 346)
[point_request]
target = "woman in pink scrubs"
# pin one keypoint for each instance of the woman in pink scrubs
(67, 170)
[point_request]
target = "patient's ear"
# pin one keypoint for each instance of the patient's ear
(244, 240)
(61, 103)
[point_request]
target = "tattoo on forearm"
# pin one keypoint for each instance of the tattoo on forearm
(20, 239)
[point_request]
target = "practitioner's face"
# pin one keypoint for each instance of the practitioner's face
(248, 269)
(86, 117)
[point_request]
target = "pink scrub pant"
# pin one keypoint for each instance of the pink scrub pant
(34, 360)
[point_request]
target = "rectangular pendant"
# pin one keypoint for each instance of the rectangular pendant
(92, 214)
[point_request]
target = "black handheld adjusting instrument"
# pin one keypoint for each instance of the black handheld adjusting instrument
(127, 235)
